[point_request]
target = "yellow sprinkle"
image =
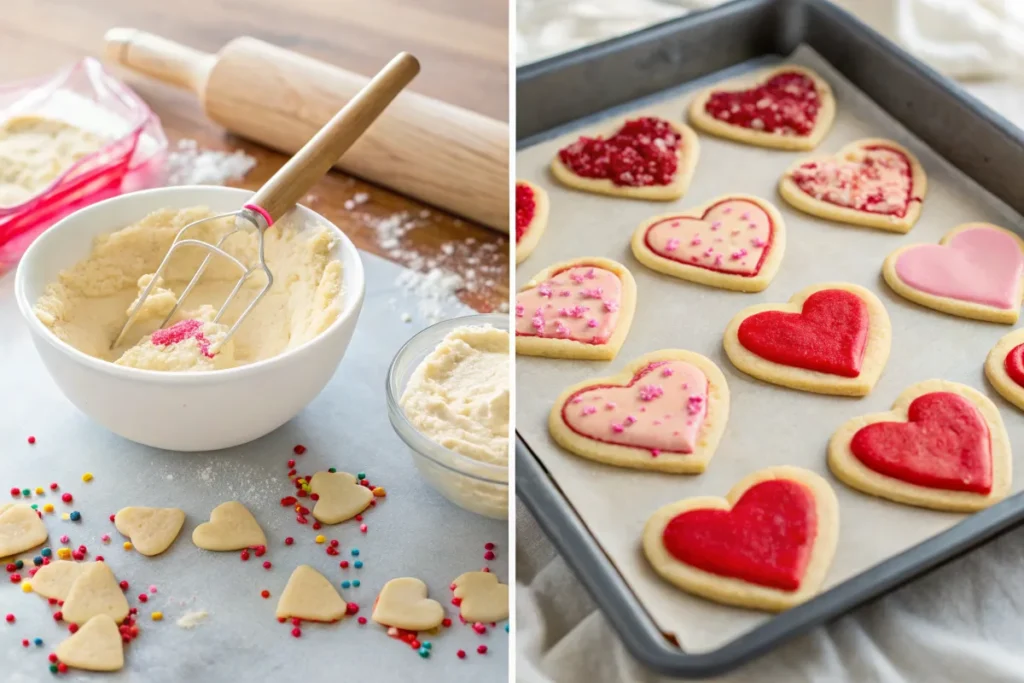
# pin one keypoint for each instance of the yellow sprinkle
(157, 616)
(301, 480)
(65, 516)
(128, 545)
(40, 490)
(48, 507)
(63, 553)
(26, 587)
(379, 492)
(87, 476)
(320, 539)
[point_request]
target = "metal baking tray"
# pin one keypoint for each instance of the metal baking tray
(562, 94)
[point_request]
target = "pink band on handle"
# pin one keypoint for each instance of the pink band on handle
(261, 211)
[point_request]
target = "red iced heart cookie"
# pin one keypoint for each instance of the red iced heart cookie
(976, 271)
(788, 107)
(831, 338)
(1014, 365)
(644, 158)
(874, 182)
(575, 309)
(1004, 367)
(734, 242)
(942, 446)
(531, 217)
(768, 545)
(665, 411)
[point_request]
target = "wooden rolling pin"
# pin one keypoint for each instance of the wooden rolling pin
(438, 153)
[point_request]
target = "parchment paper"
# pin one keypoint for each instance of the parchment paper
(413, 532)
(768, 425)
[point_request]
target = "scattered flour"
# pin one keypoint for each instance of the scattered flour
(192, 619)
(189, 165)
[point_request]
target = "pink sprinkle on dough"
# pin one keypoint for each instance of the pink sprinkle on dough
(180, 331)
(520, 310)
(667, 372)
(589, 410)
(672, 244)
(649, 392)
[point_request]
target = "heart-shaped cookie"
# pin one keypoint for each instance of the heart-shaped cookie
(151, 530)
(1004, 367)
(831, 338)
(54, 580)
(21, 529)
(481, 597)
(96, 646)
(874, 182)
(733, 242)
(310, 596)
(942, 446)
(767, 545)
(976, 271)
(642, 158)
(340, 496)
(579, 309)
(403, 603)
(531, 217)
(665, 411)
(231, 527)
(95, 591)
(787, 107)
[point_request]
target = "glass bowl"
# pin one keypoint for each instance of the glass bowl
(476, 486)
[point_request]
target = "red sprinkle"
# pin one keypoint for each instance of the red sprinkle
(10, 618)
(362, 527)
(260, 550)
(482, 649)
(123, 585)
(31, 439)
(343, 564)
(53, 486)
(67, 497)
(267, 565)
(111, 518)
(289, 540)
(24, 643)
(359, 518)
(361, 620)
(351, 608)
(52, 658)
(143, 597)
(288, 501)
(73, 628)
(265, 594)
(488, 546)
(296, 621)
(479, 628)
(301, 520)
(15, 491)
(62, 667)
(15, 578)
(244, 555)
(314, 496)
(58, 616)
(334, 543)
(414, 644)
(461, 654)
(296, 631)
(11, 567)
(332, 551)
(446, 622)
(456, 601)
(299, 450)
(316, 525)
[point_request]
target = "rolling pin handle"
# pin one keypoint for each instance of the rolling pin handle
(162, 59)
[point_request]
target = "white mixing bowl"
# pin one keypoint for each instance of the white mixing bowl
(194, 411)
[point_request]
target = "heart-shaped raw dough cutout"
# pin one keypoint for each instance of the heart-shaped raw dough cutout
(151, 530)
(21, 529)
(340, 496)
(787, 107)
(531, 217)
(665, 411)
(96, 646)
(403, 603)
(976, 271)
(578, 309)
(875, 183)
(231, 527)
(482, 597)
(310, 596)
(733, 242)
(1004, 367)
(54, 580)
(644, 157)
(831, 338)
(767, 545)
(942, 446)
(94, 592)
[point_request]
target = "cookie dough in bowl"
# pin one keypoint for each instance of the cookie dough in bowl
(182, 388)
(448, 399)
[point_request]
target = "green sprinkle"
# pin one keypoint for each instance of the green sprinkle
(361, 475)
(53, 668)
(26, 492)
(332, 470)
(424, 652)
(355, 583)
(427, 646)
(35, 506)
(355, 552)
(19, 564)
(46, 552)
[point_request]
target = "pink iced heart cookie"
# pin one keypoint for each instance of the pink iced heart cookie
(665, 411)
(734, 242)
(975, 271)
(575, 309)
(874, 182)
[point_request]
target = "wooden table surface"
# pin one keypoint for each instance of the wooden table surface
(461, 44)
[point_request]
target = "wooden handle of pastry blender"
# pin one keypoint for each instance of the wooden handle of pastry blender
(309, 164)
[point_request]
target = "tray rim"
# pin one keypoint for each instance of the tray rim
(565, 528)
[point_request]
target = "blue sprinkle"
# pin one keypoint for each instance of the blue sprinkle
(46, 552)
(345, 584)
(355, 552)
(38, 642)
(37, 560)
(75, 516)
(506, 628)
(427, 646)
(424, 652)
(355, 582)
(358, 564)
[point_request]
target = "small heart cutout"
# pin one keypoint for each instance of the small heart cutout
(403, 603)
(96, 646)
(942, 446)
(231, 527)
(21, 529)
(340, 496)
(875, 183)
(310, 596)
(151, 530)
(54, 580)
(788, 107)
(976, 271)
(94, 592)
(576, 309)
(482, 597)
(768, 545)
